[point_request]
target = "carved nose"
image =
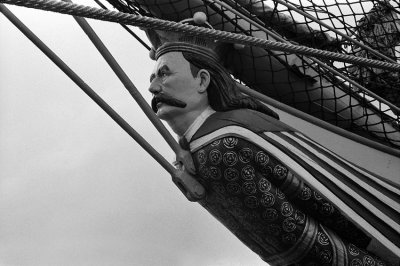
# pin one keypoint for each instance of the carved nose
(154, 88)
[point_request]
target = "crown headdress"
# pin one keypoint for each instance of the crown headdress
(167, 41)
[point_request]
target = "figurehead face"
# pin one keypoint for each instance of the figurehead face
(177, 93)
(189, 76)
(179, 86)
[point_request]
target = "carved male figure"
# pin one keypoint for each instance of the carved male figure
(279, 192)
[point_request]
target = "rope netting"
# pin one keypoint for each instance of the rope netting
(359, 98)
(338, 62)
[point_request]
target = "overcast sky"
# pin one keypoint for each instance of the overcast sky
(75, 189)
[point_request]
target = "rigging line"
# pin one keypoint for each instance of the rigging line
(123, 77)
(89, 91)
(181, 154)
(219, 10)
(148, 22)
(318, 122)
(322, 64)
(127, 29)
(347, 27)
(305, 14)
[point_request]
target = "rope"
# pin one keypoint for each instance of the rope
(192, 189)
(305, 14)
(88, 90)
(322, 64)
(318, 122)
(158, 24)
(127, 29)
(134, 92)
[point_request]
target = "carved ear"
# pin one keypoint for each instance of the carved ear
(205, 77)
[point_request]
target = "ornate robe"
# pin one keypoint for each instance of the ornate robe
(287, 198)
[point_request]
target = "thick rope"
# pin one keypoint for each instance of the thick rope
(158, 24)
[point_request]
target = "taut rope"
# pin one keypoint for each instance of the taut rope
(158, 24)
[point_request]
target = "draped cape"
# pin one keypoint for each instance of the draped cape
(369, 204)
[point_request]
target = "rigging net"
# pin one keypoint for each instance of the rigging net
(361, 99)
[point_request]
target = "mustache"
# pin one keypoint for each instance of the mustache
(167, 100)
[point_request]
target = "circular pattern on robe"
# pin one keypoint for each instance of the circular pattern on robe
(379, 262)
(286, 209)
(280, 171)
(201, 157)
(368, 261)
(356, 262)
(245, 155)
(300, 217)
(353, 250)
(249, 188)
(215, 143)
(215, 157)
(230, 142)
(327, 209)
(322, 239)
(270, 215)
(251, 202)
(215, 173)
(305, 193)
(262, 158)
(317, 196)
(280, 194)
(289, 225)
(248, 172)
(267, 199)
(264, 185)
(231, 174)
(325, 256)
(234, 188)
(230, 158)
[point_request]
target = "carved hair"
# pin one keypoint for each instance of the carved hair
(223, 94)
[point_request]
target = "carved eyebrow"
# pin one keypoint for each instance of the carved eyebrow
(152, 76)
(161, 69)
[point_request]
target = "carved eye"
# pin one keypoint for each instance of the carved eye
(163, 74)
